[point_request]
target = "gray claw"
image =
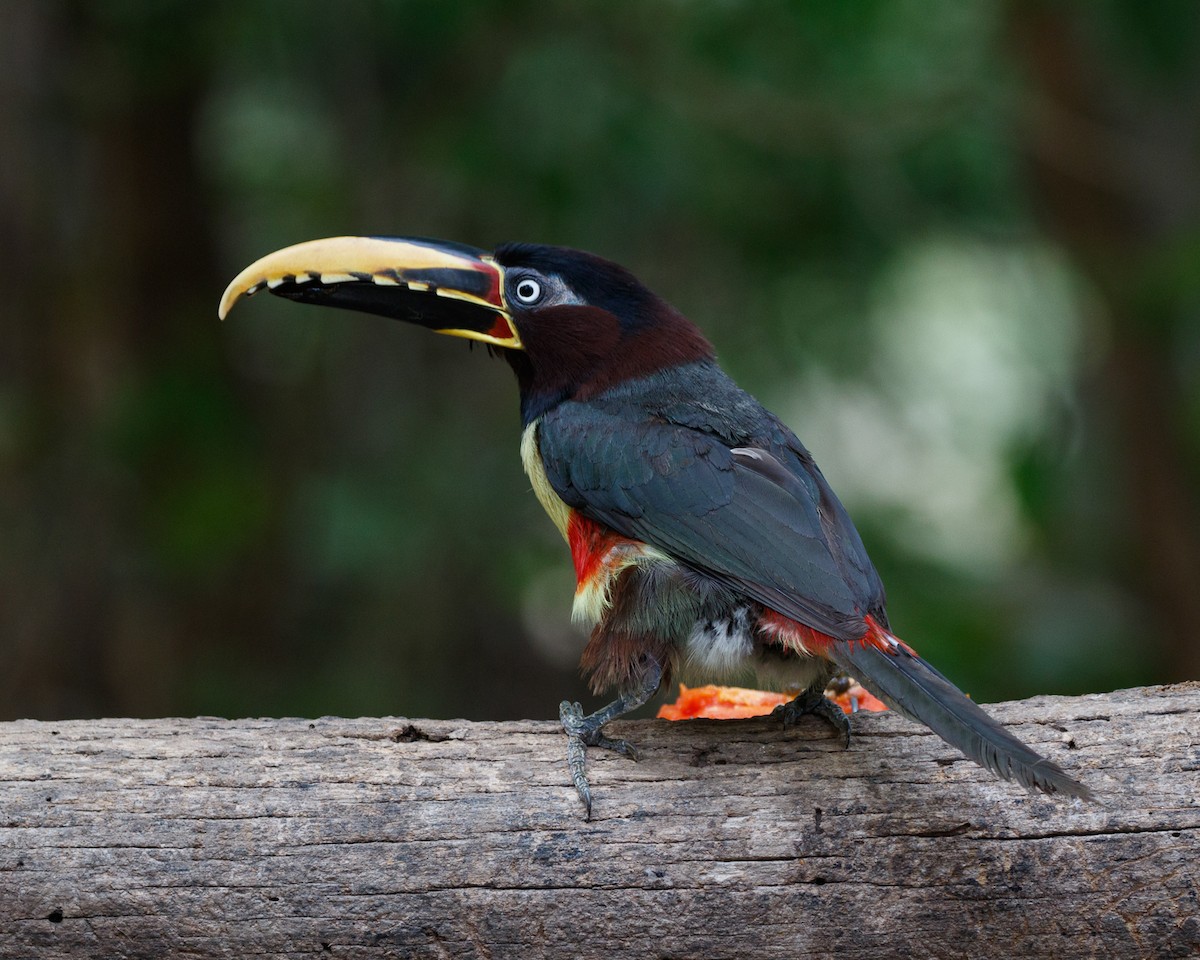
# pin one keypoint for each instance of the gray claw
(584, 731)
(817, 704)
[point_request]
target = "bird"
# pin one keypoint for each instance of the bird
(705, 539)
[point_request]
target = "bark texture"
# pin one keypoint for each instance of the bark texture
(430, 838)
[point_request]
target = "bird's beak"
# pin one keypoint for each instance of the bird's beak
(447, 287)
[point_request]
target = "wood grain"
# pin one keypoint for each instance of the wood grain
(430, 838)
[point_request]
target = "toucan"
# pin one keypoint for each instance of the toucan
(706, 541)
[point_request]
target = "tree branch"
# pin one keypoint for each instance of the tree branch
(431, 838)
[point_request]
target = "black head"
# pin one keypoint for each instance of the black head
(586, 324)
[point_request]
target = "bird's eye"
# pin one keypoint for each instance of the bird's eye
(528, 290)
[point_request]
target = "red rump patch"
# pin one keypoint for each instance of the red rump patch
(881, 639)
(793, 634)
(804, 639)
(590, 543)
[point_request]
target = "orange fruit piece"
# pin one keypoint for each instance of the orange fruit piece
(715, 702)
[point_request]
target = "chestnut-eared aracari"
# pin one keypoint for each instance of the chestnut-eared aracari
(706, 541)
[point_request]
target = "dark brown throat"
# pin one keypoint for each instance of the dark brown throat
(577, 352)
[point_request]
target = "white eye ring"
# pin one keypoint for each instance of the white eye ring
(528, 290)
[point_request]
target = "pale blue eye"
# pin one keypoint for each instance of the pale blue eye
(528, 290)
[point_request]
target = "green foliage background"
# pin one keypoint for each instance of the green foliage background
(955, 244)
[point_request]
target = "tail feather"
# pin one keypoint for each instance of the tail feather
(909, 685)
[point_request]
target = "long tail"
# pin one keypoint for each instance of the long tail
(906, 683)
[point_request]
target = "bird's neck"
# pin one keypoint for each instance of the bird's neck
(579, 364)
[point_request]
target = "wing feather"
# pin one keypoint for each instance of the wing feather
(741, 502)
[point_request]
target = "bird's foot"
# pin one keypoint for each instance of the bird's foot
(583, 731)
(816, 703)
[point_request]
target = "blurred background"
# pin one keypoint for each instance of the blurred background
(955, 245)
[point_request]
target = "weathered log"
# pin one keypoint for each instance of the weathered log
(431, 838)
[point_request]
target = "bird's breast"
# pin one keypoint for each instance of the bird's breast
(600, 554)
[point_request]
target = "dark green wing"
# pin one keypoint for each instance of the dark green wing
(714, 480)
